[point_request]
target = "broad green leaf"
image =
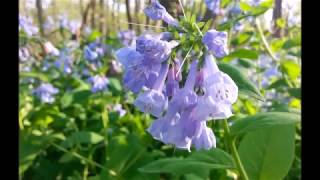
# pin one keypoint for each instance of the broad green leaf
(241, 53)
(66, 100)
(295, 92)
(263, 120)
(291, 68)
(37, 75)
(82, 137)
(199, 163)
(244, 84)
(268, 153)
(115, 85)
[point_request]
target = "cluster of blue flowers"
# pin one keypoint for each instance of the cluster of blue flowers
(181, 112)
(45, 92)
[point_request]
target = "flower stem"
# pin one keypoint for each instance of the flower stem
(234, 152)
(263, 38)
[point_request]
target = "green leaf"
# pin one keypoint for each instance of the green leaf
(82, 137)
(263, 120)
(66, 100)
(199, 163)
(241, 53)
(295, 92)
(268, 153)
(37, 75)
(291, 68)
(244, 84)
(115, 85)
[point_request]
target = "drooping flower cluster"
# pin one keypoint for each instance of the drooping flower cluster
(98, 83)
(156, 11)
(214, 6)
(181, 112)
(127, 37)
(45, 92)
(25, 24)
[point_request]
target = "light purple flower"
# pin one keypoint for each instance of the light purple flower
(220, 92)
(172, 84)
(45, 92)
(118, 108)
(50, 49)
(156, 11)
(64, 61)
(216, 42)
(90, 54)
(99, 83)
(25, 23)
(127, 37)
(153, 48)
(24, 54)
(153, 100)
(213, 5)
(179, 126)
(205, 139)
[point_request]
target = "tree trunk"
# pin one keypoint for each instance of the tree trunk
(137, 8)
(129, 14)
(81, 7)
(277, 14)
(101, 18)
(40, 16)
(93, 12)
(113, 15)
(118, 16)
(85, 16)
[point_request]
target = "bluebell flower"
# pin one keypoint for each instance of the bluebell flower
(63, 21)
(205, 139)
(217, 42)
(172, 84)
(50, 49)
(99, 83)
(213, 5)
(45, 92)
(90, 54)
(25, 23)
(153, 100)
(127, 37)
(64, 61)
(178, 125)
(153, 48)
(49, 24)
(156, 11)
(24, 54)
(220, 92)
(118, 108)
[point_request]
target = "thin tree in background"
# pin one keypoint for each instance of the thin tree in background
(81, 6)
(85, 16)
(101, 17)
(93, 12)
(40, 16)
(137, 8)
(277, 14)
(118, 15)
(147, 18)
(128, 11)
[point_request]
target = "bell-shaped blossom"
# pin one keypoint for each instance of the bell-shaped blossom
(45, 92)
(205, 139)
(127, 37)
(153, 48)
(25, 23)
(90, 54)
(172, 84)
(179, 126)
(217, 42)
(214, 5)
(24, 54)
(50, 49)
(220, 92)
(118, 108)
(64, 61)
(99, 83)
(156, 11)
(153, 100)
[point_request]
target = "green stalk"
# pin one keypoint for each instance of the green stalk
(84, 159)
(234, 152)
(263, 38)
